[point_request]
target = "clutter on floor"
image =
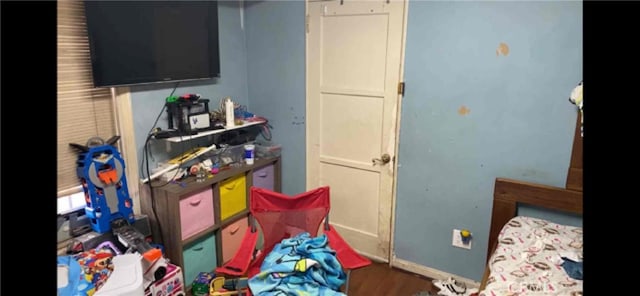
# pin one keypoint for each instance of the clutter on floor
(110, 270)
(116, 258)
(452, 287)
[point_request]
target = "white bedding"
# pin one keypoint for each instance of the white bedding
(528, 259)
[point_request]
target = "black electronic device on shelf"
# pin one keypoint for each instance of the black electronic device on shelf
(187, 116)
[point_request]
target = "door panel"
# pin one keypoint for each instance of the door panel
(351, 127)
(353, 69)
(347, 196)
(365, 55)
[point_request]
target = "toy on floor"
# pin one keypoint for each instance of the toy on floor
(96, 266)
(154, 265)
(100, 169)
(200, 285)
(171, 285)
(72, 279)
(226, 287)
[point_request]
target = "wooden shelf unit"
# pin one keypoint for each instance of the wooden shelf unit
(168, 209)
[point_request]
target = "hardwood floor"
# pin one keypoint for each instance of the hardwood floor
(380, 279)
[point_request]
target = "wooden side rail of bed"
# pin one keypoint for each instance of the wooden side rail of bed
(574, 175)
(508, 194)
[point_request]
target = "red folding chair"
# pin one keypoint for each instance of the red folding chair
(281, 216)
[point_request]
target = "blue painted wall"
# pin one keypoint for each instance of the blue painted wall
(519, 122)
(470, 115)
(276, 70)
(147, 101)
(262, 56)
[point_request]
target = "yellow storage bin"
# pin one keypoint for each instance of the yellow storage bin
(233, 196)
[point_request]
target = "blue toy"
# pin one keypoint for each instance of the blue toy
(101, 172)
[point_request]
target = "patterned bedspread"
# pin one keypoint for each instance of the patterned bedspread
(536, 257)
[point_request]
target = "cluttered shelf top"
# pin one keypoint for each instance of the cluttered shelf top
(189, 185)
(212, 132)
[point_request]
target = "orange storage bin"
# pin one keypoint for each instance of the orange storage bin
(232, 235)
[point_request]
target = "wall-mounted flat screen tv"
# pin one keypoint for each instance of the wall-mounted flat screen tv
(141, 42)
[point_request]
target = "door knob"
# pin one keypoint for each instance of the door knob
(385, 158)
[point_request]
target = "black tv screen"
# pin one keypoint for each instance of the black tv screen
(140, 42)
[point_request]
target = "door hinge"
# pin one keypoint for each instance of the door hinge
(306, 23)
(401, 88)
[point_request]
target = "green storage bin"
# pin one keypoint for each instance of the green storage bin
(199, 256)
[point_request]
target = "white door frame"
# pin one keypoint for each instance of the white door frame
(392, 253)
(121, 99)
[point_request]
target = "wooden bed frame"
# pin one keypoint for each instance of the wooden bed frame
(508, 194)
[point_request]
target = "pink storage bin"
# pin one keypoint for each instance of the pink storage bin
(196, 212)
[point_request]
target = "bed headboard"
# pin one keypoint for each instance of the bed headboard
(509, 193)
(574, 176)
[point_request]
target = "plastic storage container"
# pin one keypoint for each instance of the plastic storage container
(126, 279)
(267, 149)
(231, 155)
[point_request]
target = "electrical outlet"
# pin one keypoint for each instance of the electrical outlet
(457, 240)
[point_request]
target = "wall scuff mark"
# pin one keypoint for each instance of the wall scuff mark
(503, 49)
(463, 110)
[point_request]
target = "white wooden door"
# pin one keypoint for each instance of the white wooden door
(354, 52)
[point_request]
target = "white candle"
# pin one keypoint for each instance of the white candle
(228, 104)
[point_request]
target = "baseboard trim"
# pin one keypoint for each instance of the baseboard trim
(373, 258)
(431, 272)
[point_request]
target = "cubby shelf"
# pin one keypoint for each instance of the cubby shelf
(197, 209)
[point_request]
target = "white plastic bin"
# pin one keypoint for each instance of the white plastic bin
(126, 278)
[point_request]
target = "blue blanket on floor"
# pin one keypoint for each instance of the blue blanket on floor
(300, 265)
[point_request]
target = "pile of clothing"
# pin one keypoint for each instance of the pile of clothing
(301, 265)
(85, 272)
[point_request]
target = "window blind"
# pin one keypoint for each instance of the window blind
(83, 111)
